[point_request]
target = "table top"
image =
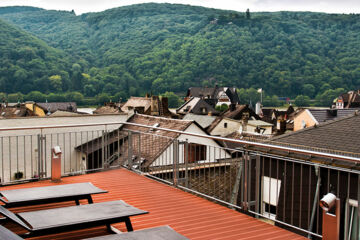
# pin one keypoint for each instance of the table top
(67, 216)
(157, 233)
(50, 192)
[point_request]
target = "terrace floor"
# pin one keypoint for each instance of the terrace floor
(192, 216)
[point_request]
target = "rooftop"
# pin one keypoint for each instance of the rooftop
(192, 216)
(341, 135)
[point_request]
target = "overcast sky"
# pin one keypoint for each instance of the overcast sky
(82, 6)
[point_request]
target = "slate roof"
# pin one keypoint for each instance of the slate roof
(213, 93)
(203, 120)
(337, 135)
(54, 106)
(237, 113)
(195, 105)
(153, 144)
(323, 115)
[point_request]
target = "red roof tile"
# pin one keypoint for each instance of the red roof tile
(192, 216)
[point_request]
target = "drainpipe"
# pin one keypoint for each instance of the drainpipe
(315, 201)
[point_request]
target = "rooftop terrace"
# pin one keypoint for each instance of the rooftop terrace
(192, 216)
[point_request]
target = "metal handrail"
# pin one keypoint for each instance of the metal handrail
(245, 142)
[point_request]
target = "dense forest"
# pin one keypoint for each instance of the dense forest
(167, 47)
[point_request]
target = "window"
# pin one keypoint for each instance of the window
(196, 152)
(225, 125)
(270, 196)
(351, 219)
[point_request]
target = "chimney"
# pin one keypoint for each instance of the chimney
(165, 103)
(258, 108)
(332, 112)
(232, 107)
(154, 106)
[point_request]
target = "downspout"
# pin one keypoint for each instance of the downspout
(315, 203)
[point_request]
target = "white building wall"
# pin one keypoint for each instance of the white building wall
(252, 129)
(220, 130)
(214, 152)
(19, 148)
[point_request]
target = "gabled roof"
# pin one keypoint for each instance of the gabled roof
(195, 105)
(54, 106)
(203, 120)
(134, 102)
(153, 144)
(237, 113)
(213, 93)
(338, 135)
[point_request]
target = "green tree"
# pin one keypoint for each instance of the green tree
(102, 98)
(55, 83)
(15, 97)
(35, 96)
(174, 101)
(302, 101)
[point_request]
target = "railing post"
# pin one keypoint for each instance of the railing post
(257, 185)
(245, 182)
(186, 161)
(130, 150)
(102, 148)
(176, 162)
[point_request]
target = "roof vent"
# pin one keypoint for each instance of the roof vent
(155, 126)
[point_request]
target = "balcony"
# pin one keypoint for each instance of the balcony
(204, 187)
(192, 216)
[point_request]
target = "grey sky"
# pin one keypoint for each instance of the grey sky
(82, 6)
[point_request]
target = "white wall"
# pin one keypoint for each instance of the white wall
(19, 148)
(251, 129)
(213, 151)
(220, 130)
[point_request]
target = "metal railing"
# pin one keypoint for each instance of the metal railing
(284, 190)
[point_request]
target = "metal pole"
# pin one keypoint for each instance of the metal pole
(176, 162)
(315, 203)
(130, 150)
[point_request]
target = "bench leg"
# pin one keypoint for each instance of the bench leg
(128, 225)
(77, 202)
(90, 199)
(112, 229)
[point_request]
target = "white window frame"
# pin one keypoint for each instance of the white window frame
(270, 191)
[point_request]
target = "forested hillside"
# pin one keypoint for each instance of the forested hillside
(27, 62)
(163, 47)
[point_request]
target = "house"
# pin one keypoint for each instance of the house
(310, 117)
(350, 99)
(232, 120)
(108, 108)
(14, 110)
(153, 148)
(220, 95)
(282, 120)
(154, 106)
(51, 107)
(197, 105)
(239, 112)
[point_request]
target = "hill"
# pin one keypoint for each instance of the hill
(167, 47)
(27, 63)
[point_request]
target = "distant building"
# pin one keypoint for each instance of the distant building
(348, 100)
(154, 106)
(311, 117)
(51, 107)
(197, 105)
(219, 95)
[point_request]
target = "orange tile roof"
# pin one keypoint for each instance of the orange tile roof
(192, 216)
